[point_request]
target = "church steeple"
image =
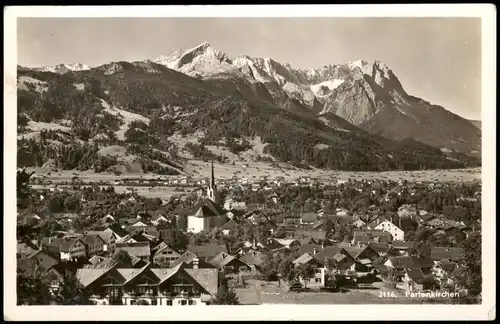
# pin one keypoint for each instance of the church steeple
(211, 186)
(212, 179)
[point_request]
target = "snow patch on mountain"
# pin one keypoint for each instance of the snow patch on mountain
(65, 68)
(329, 84)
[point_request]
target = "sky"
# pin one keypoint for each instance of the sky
(437, 59)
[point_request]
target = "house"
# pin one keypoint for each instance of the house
(403, 247)
(206, 216)
(439, 253)
(157, 218)
(229, 263)
(359, 223)
(229, 226)
(140, 224)
(235, 214)
(287, 219)
(117, 230)
(94, 243)
(402, 270)
(308, 218)
(207, 251)
(99, 262)
(165, 253)
(189, 259)
(253, 259)
(177, 286)
(311, 236)
(291, 244)
(382, 248)
(109, 239)
(318, 266)
(138, 236)
(396, 232)
(64, 248)
(140, 250)
(25, 249)
(38, 261)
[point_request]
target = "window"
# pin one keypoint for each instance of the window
(169, 303)
(132, 302)
(154, 302)
(192, 302)
(317, 280)
(183, 302)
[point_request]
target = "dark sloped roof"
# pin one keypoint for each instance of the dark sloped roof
(316, 235)
(403, 245)
(115, 227)
(213, 207)
(454, 254)
(207, 278)
(379, 247)
(229, 225)
(93, 239)
(308, 248)
(327, 252)
(207, 251)
(188, 258)
(411, 262)
(138, 249)
(309, 217)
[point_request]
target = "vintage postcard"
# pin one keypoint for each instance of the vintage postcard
(250, 162)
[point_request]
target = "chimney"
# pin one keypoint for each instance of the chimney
(315, 251)
(195, 263)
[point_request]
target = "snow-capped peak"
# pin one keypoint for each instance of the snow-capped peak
(65, 68)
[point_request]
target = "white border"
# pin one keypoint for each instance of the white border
(264, 312)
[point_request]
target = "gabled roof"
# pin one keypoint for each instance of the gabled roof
(187, 258)
(439, 252)
(309, 248)
(207, 251)
(204, 211)
(252, 258)
(229, 225)
(223, 259)
(88, 276)
(316, 235)
(137, 249)
(415, 274)
(67, 245)
(379, 247)
(116, 228)
(207, 278)
(93, 239)
(400, 245)
(106, 236)
(163, 246)
(215, 209)
(309, 217)
(25, 249)
(411, 262)
(327, 252)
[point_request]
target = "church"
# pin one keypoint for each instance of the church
(207, 215)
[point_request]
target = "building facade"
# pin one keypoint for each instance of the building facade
(154, 286)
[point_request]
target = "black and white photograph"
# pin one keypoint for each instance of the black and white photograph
(250, 162)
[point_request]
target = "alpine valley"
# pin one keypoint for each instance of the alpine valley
(199, 104)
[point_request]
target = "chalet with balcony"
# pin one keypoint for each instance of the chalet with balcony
(177, 286)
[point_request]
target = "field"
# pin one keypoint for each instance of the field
(199, 169)
(261, 293)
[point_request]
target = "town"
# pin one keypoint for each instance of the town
(247, 241)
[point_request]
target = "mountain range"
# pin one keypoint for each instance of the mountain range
(357, 111)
